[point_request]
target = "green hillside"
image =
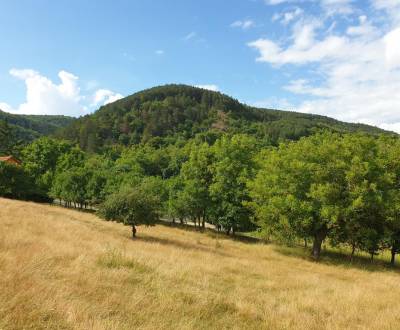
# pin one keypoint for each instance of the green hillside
(29, 127)
(180, 111)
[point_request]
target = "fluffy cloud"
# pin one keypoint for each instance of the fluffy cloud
(392, 43)
(105, 96)
(213, 88)
(43, 96)
(349, 72)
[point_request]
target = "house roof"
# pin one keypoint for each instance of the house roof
(10, 159)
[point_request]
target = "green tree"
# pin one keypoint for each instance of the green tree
(40, 160)
(134, 206)
(301, 188)
(367, 192)
(15, 182)
(98, 169)
(197, 176)
(71, 186)
(233, 166)
(389, 148)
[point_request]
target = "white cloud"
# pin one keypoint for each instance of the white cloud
(210, 87)
(391, 9)
(386, 4)
(43, 96)
(288, 16)
(329, 7)
(365, 28)
(334, 7)
(350, 73)
(245, 24)
(105, 96)
(392, 51)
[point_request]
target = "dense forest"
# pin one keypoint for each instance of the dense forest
(188, 154)
(30, 127)
(178, 112)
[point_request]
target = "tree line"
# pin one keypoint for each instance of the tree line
(328, 187)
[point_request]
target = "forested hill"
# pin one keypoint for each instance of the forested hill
(180, 111)
(29, 127)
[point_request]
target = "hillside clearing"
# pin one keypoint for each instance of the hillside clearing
(64, 269)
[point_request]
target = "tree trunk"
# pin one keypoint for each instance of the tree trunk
(181, 220)
(228, 230)
(318, 239)
(133, 231)
(372, 257)
(353, 249)
(305, 243)
(173, 220)
(393, 259)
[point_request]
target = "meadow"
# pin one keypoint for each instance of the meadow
(64, 269)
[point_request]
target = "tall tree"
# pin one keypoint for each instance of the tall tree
(197, 176)
(301, 188)
(233, 166)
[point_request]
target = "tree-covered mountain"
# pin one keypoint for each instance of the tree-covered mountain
(26, 128)
(180, 111)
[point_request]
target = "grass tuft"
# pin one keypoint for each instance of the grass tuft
(116, 259)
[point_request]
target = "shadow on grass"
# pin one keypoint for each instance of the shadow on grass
(338, 258)
(183, 245)
(211, 232)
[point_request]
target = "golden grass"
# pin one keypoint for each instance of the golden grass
(61, 269)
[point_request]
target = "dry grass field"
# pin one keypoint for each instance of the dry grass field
(62, 269)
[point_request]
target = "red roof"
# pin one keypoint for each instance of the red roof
(10, 160)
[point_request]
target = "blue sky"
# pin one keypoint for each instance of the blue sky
(339, 58)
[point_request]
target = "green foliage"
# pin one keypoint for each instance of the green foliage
(134, 206)
(327, 185)
(15, 182)
(171, 113)
(197, 176)
(190, 154)
(30, 127)
(40, 159)
(8, 139)
(233, 166)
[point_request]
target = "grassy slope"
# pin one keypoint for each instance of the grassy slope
(64, 269)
